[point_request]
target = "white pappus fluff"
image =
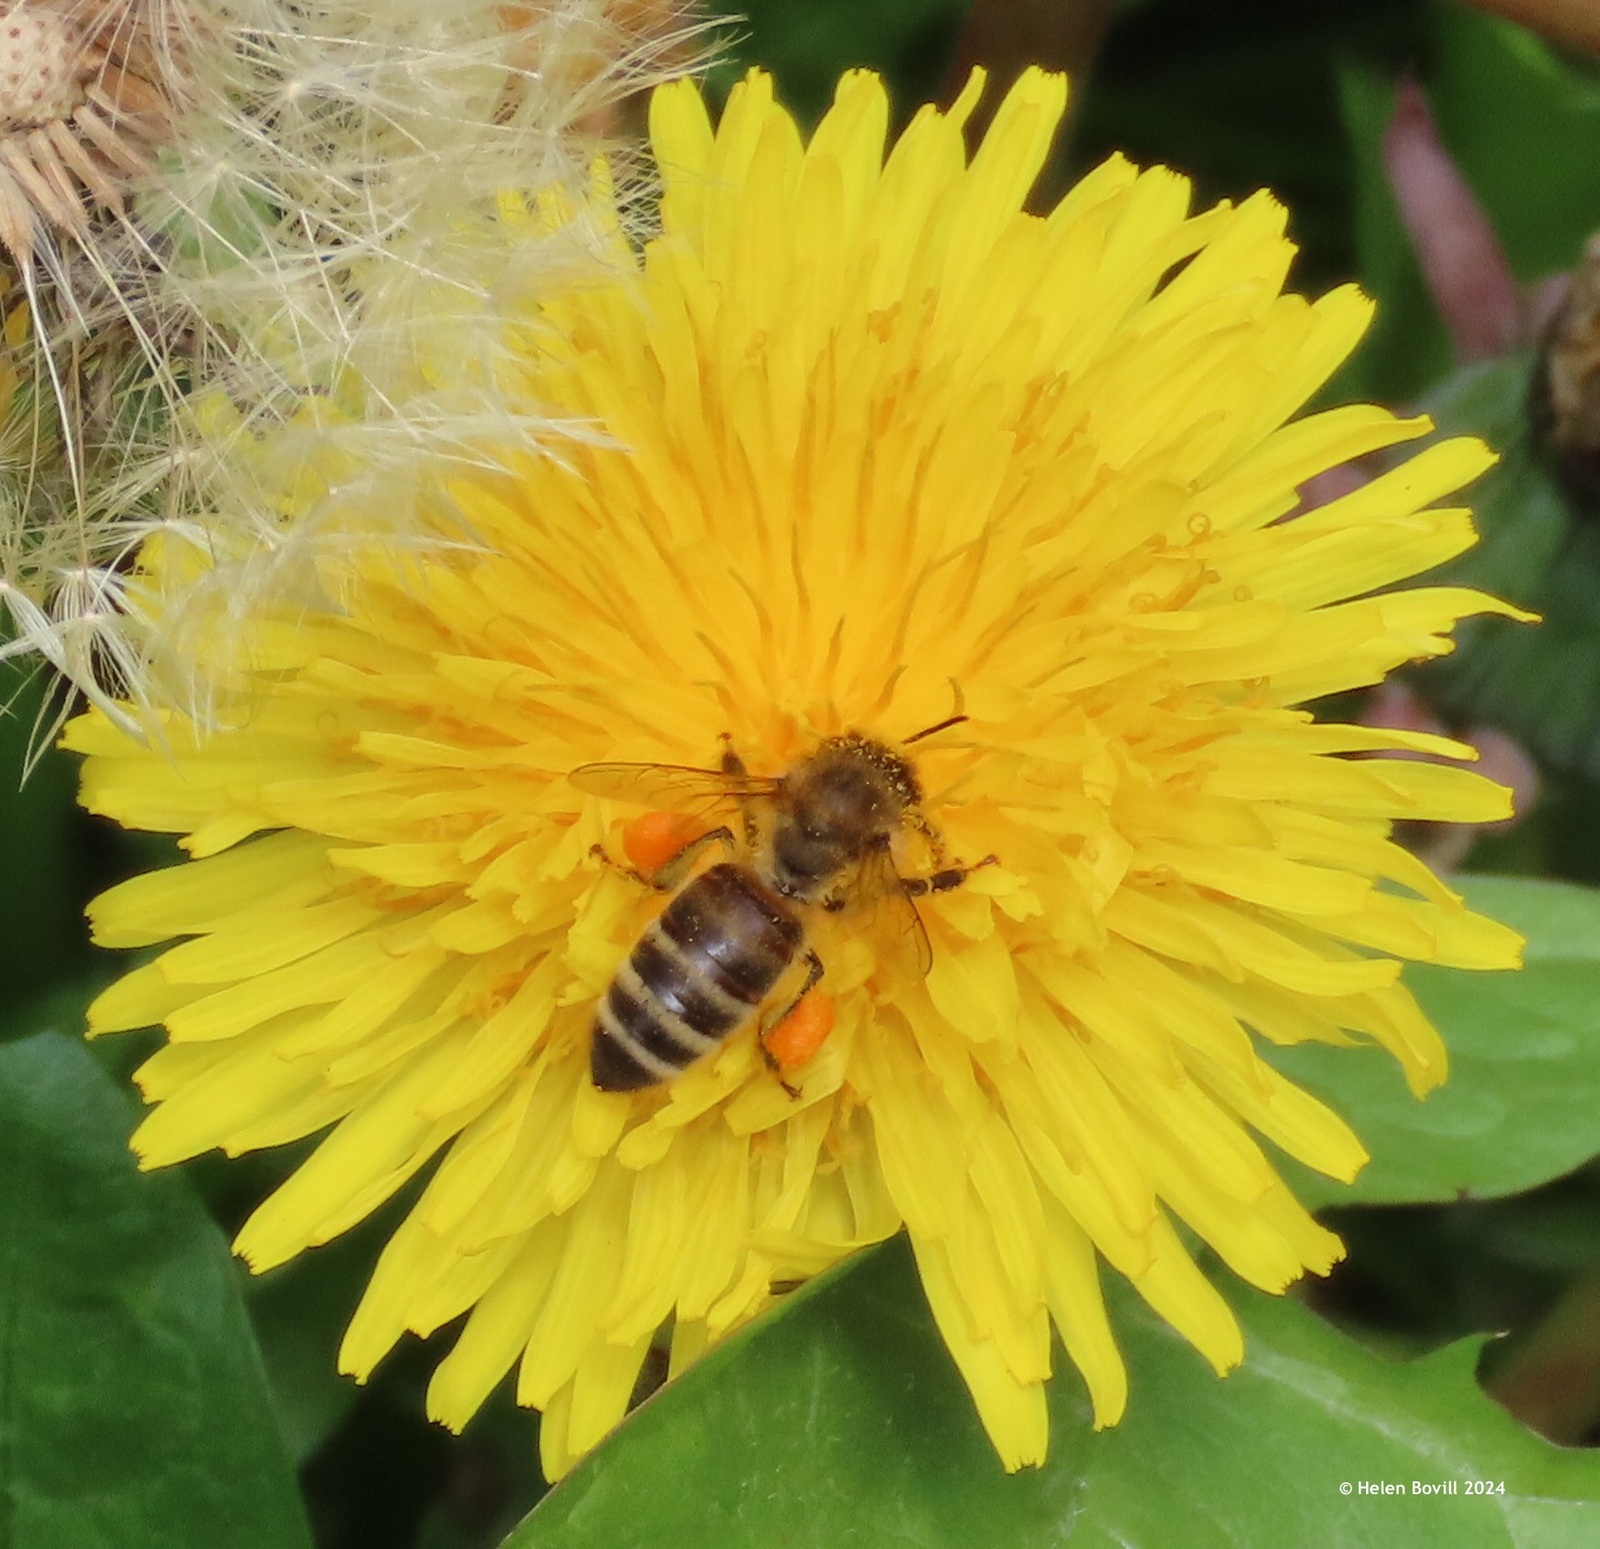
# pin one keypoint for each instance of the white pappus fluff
(282, 218)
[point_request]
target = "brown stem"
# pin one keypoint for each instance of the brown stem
(1462, 261)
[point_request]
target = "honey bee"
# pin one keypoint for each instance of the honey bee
(818, 836)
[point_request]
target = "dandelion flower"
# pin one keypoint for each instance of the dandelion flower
(871, 444)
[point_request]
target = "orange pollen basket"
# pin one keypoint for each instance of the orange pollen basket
(799, 1035)
(650, 841)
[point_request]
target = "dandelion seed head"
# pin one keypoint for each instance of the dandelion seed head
(264, 212)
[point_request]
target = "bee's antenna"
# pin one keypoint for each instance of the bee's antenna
(928, 731)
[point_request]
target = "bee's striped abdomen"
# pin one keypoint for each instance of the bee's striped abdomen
(696, 977)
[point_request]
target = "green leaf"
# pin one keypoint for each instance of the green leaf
(1522, 1105)
(133, 1408)
(1505, 101)
(1241, 97)
(299, 1312)
(807, 47)
(41, 933)
(843, 1422)
(1540, 684)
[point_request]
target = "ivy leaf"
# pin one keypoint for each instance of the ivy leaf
(1522, 1105)
(133, 1407)
(842, 1421)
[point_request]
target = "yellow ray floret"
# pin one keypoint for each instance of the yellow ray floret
(870, 444)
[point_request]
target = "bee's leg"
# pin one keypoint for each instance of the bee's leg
(769, 1022)
(668, 877)
(732, 764)
(917, 820)
(813, 973)
(943, 880)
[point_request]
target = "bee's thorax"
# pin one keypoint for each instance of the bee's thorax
(848, 798)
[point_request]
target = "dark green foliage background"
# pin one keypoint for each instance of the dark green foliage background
(151, 1393)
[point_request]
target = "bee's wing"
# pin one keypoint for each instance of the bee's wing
(892, 920)
(669, 785)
